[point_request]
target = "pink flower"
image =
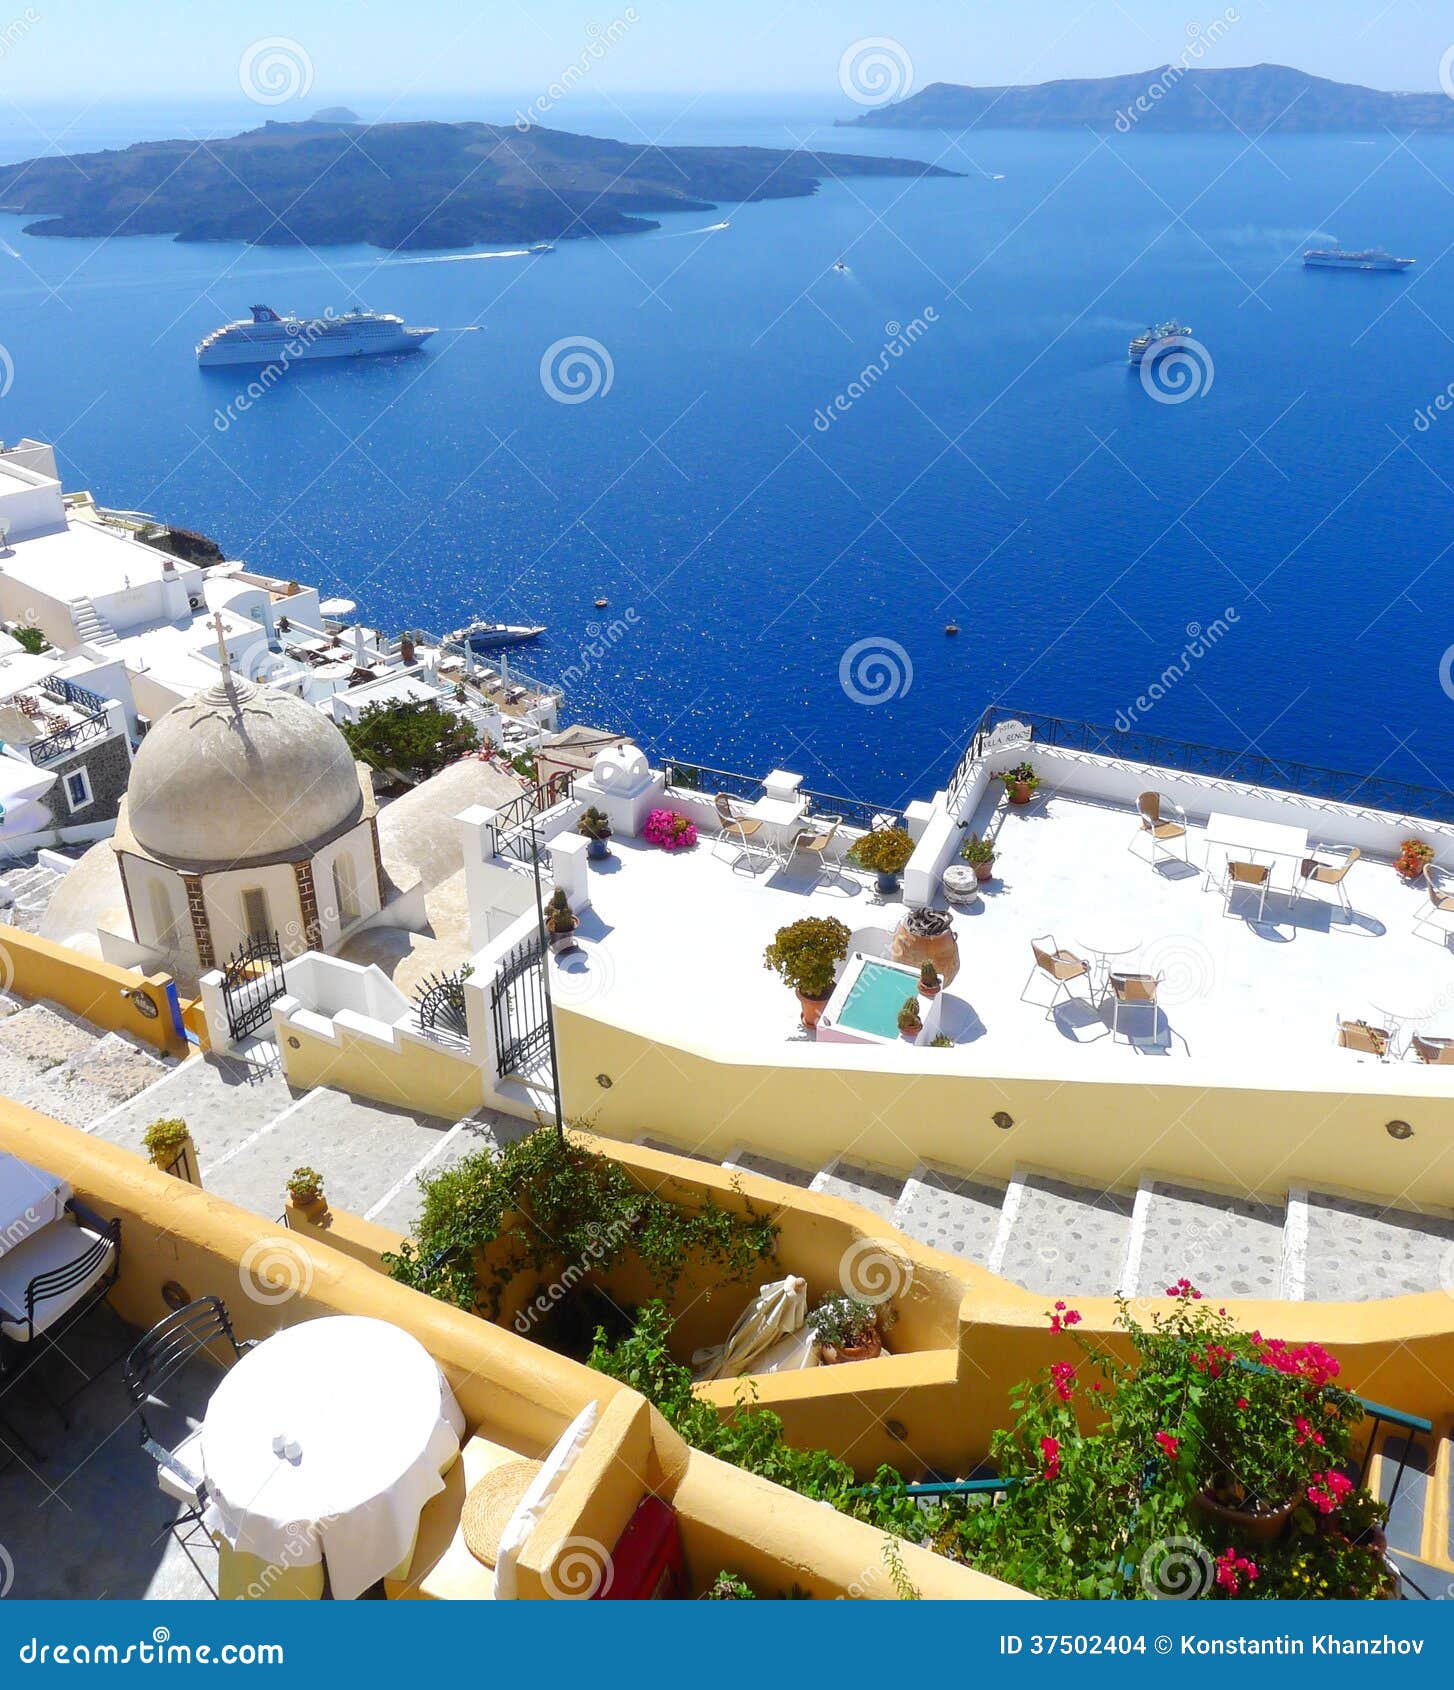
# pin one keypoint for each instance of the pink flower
(1241, 1402)
(1304, 1433)
(1062, 1374)
(1328, 1490)
(1050, 1453)
(1230, 1565)
(1063, 1318)
(1168, 1445)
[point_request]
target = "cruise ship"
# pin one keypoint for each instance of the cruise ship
(267, 338)
(1326, 258)
(1165, 337)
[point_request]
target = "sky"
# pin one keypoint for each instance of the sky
(349, 50)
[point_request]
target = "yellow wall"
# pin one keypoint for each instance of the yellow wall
(422, 1077)
(1103, 1133)
(33, 967)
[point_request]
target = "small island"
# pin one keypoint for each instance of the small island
(1248, 100)
(406, 186)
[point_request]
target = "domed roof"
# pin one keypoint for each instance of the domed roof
(240, 775)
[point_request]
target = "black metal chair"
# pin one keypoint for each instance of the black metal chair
(59, 1295)
(156, 1359)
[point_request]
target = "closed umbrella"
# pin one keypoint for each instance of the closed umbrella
(779, 1312)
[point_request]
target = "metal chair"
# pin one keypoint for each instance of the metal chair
(1440, 901)
(734, 825)
(1063, 967)
(153, 1361)
(1155, 825)
(1315, 872)
(1438, 1052)
(816, 845)
(1257, 876)
(1130, 991)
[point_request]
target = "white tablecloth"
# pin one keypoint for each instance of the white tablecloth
(1248, 836)
(30, 1198)
(375, 1422)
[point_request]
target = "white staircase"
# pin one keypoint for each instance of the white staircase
(25, 893)
(92, 628)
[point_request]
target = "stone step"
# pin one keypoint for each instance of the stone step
(872, 1189)
(754, 1162)
(1228, 1246)
(950, 1211)
(1353, 1250)
(42, 1035)
(1060, 1238)
(89, 1084)
(398, 1207)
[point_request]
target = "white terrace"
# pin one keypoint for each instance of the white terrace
(672, 943)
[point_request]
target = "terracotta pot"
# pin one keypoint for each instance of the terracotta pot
(1021, 792)
(564, 941)
(812, 1009)
(984, 871)
(909, 1034)
(833, 1357)
(930, 991)
(914, 950)
(1265, 1526)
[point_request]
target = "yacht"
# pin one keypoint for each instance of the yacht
(267, 338)
(1375, 258)
(487, 636)
(1164, 337)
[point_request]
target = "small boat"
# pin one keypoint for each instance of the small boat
(1158, 341)
(485, 636)
(600, 604)
(840, 265)
(541, 246)
(951, 627)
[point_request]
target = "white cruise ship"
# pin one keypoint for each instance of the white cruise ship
(267, 338)
(1375, 258)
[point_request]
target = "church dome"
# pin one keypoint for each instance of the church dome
(240, 774)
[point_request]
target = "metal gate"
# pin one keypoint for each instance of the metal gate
(520, 1010)
(251, 980)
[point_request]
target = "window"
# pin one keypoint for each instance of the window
(345, 889)
(78, 789)
(256, 921)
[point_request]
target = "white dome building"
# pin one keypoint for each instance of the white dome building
(246, 816)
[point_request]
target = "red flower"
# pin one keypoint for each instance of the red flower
(1241, 1402)
(1184, 1288)
(1063, 1375)
(1230, 1565)
(1304, 1432)
(1064, 1318)
(1050, 1452)
(1328, 1490)
(1168, 1444)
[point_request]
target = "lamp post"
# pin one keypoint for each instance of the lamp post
(545, 975)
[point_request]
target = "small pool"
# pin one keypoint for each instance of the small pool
(866, 1002)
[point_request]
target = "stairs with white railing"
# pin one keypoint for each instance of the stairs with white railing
(92, 628)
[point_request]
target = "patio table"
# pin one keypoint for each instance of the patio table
(366, 1426)
(779, 817)
(1249, 837)
(30, 1198)
(1111, 944)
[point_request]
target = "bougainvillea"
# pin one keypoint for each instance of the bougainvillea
(671, 830)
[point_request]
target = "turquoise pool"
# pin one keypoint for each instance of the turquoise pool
(876, 997)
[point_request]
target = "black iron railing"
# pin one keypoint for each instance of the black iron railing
(519, 1008)
(68, 739)
(515, 834)
(684, 777)
(57, 686)
(1251, 768)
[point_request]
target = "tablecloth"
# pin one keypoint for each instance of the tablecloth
(30, 1198)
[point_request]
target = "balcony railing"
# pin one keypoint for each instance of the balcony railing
(1251, 768)
(856, 812)
(68, 739)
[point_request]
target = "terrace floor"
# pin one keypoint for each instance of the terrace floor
(1256, 999)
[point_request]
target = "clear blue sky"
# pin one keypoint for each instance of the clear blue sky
(357, 48)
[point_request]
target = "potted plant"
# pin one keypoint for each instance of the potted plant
(168, 1142)
(671, 830)
(849, 1330)
(1413, 857)
(931, 981)
(305, 1193)
(805, 954)
(910, 1021)
(595, 826)
(1020, 783)
(884, 852)
(979, 853)
(560, 922)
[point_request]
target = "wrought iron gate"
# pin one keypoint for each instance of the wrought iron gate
(519, 1009)
(252, 979)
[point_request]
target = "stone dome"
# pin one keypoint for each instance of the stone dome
(240, 774)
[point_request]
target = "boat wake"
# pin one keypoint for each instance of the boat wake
(683, 234)
(452, 258)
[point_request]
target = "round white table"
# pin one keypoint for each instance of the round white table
(369, 1426)
(1113, 945)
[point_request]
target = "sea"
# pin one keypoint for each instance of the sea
(788, 479)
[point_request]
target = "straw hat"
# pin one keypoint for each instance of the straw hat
(490, 1504)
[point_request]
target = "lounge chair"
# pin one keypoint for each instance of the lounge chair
(1436, 1051)
(1163, 823)
(1440, 901)
(1128, 991)
(1358, 1035)
(735, 828)
(1257, 876)
(1315, 872)
(1063, 967)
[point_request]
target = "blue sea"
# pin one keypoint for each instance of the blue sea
(753, 510)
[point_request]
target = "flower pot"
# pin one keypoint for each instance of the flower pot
(1020, 792)
(812, 1009)
(909, 1034)
(831, 1356)
(564, 941)
(887, 884)
(914, 949)
(1245, 1524)
(597, 850)
(930, 991)
(984, 871)
(313, 1210)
